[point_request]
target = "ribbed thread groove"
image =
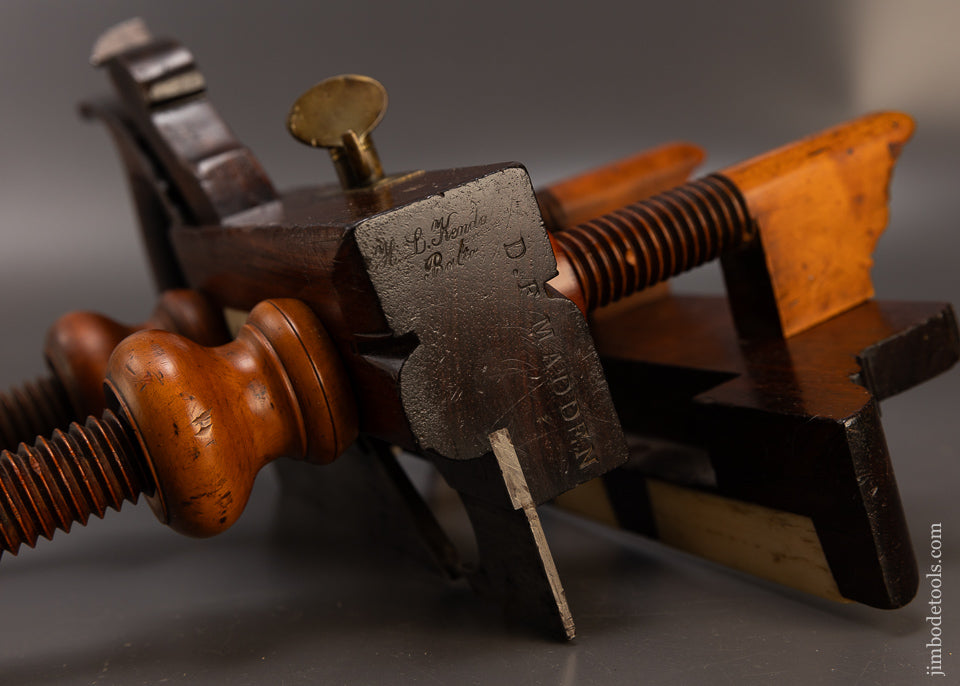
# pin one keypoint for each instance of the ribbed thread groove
(65, 479)
(657, 238)
(33, 409)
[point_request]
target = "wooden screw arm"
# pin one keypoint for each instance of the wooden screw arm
(79, 344)
(77, 348)
(615, 255)
(112, 449)
(820, 204)
(606, 258)
(190, 427)
(593, 193)
(178, 435)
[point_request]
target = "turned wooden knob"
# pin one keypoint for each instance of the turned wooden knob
(208, 419)
(77, 349)
(79, 344)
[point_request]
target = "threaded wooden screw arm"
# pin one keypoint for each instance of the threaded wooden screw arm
(820, 205)
(66, 479)
(192, 428)
(33, 408)
(77, 349)
(650, 241)
(580, 198)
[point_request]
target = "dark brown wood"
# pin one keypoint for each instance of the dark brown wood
(788, 425)
(363, 500)
(192, 427)
(515, 562)
(408, 276)
(381, 285)
(378, 355)
(183, 164)
(598, 264)
(438, 291)
(154, 203)
(162, 92)
(306, 246)
(434, 287)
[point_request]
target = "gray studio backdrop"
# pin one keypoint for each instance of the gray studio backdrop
(559, 86)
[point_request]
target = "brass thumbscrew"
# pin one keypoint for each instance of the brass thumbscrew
(338, 114)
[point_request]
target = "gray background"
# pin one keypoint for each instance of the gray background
(560, 87)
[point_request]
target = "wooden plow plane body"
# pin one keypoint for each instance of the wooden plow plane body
(516, 339)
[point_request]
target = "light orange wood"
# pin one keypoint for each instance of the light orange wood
(821, 204)
(208, 419)
(598, 191)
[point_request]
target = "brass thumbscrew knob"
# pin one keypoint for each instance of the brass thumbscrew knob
(190, 427)
(339, 114)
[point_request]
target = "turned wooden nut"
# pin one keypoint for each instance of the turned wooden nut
(79, 344)
(208, 419)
